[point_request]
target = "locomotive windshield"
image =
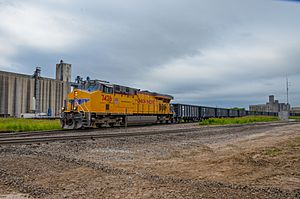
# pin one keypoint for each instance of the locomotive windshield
(94, 85)
(89, 86)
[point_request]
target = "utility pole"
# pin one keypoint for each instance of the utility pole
(287, 92)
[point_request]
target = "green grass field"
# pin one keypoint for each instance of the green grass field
(238, 120)
(295, 117)
(17, 125)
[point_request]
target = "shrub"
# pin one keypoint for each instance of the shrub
(238, 120)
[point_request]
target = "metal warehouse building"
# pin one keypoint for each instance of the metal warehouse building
(21, 93)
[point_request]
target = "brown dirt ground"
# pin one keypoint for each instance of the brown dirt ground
(262, 164)
(257, 160)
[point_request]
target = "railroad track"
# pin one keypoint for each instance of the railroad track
(64, 131)
(42, 133)
(64, 137)
(92, 134)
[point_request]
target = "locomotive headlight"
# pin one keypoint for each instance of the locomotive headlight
(75, 93)
(63, 108)
(75, 108)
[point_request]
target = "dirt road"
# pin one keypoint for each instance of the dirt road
(250, 161)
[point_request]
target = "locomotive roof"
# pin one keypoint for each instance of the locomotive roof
(108, 84)
(157, 94)
(138, 90)
(143, 91)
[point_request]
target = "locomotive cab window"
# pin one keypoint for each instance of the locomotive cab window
(107, 89)
(117, 88)
(92, 87)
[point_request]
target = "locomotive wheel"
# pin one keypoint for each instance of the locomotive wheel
(69, 124)
(78, 124)
(69, 121)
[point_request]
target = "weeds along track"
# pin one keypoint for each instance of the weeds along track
(92, 134)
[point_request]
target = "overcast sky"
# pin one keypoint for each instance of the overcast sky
(208, 52)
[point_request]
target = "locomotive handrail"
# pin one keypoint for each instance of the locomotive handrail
(86, 107)
(81, 108)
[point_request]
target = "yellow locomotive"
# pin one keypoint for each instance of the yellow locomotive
(99, 103)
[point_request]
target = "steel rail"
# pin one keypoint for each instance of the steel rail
(67, 131)
(66, 137)
(41, 133)
(71, 131)
(30, 140)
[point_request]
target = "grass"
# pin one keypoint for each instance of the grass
(295, 117)
(238, 120)
(295, 143)
(273, 152)
(18, 125)
(284, 149)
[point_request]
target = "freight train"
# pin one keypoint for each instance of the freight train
(97, 103)
(188, 113)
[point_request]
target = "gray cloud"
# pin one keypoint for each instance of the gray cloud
(227, 53)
